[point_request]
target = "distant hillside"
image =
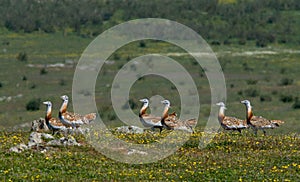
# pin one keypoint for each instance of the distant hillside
(222, 22)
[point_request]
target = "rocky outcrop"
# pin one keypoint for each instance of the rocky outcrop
(43, 142)
(130, 130)
(19, 148)
(64, 141)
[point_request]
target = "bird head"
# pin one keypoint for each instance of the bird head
(47, 103)
(144, 100)
(166, 102)
(246, 102)
(221, 104)
(64, 97)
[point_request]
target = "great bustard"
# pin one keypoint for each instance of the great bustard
(175, 123)
(73, 120)
(149, 121)
(53, 124)
(230, 123)
(258, 122)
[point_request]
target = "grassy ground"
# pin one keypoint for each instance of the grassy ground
(230, 156)
(266, 76)
(269, 77)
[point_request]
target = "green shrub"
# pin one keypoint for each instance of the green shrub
(251, 92)
(296, 104)
(283, 70)
(265, 98)
(274, 92)
(251, 82)
(173, 87)
(142, 44)
(116, 57)
(247, 67)
(43, 71)
(111, 116)
(33, 86)
(132, 104)
(261, 43)
(62, 82)
(215, 42)
(242, 42)
(240, 92)
(227, 42)
(286, 98)
(33, 105)
(286, 81)
(22, 56)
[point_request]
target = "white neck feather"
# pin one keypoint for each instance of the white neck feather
(222, 111)
(64, 104)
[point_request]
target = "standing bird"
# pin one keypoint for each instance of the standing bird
(53, 124)
(147, 119)
(258, 122)
(172, 123)
(230, 123)
(73, 120)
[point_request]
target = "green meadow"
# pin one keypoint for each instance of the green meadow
(268, 77)
(229, 157)
(256, 43)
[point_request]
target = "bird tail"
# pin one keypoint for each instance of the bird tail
(89, 118)
(191, 122)
(277, 122)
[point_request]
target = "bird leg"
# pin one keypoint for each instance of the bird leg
(239, 130)
(265, 134)
(255, 131)
(160, 128)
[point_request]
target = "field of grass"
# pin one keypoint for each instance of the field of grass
(229, 157)
(268, 77)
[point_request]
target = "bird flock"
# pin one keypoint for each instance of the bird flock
(167, 120)
(255, 122)
(65, 119)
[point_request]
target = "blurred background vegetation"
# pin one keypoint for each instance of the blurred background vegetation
(220, 21)
(256, 42)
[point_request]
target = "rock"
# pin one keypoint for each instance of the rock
(47, 136)
(64, 141)
(19, 148)
(39, 125)
(54, 142)
(130, 129)
(31, 144)
(35, 138)
(134, 151)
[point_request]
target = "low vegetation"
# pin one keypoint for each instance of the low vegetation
(230, 156)
(255, 41)
(221, 22)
